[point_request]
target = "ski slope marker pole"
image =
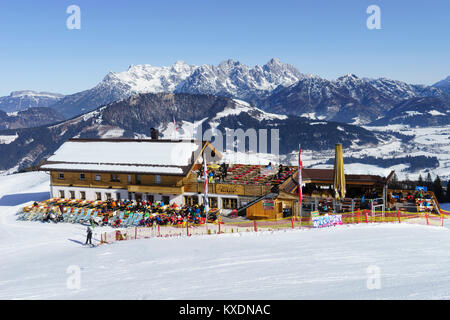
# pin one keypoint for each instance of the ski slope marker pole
(398, 214)
(365, 213)
(254, 222)
(292, 222)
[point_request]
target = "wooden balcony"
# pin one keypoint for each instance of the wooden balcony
(156, 189)
(232, 189)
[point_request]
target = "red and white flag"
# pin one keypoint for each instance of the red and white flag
(174, 124)
(205, 174)
(300, 167)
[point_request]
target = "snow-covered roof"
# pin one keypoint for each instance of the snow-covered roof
(125, 155)
(112, 168)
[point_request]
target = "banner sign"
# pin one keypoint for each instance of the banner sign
(326, 221)
(314, 214)
(421, 188)
(268, 204)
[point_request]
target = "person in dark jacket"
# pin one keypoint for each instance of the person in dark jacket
(89, 235)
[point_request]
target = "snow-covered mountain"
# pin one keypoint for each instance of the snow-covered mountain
(133, 118)
(275, 87)
(234, 79)
(229, 78)
(399, 90)
(31, 117)
(22, 100)
(444, 85)
(121, 85)
(347, 99)
(418, 112)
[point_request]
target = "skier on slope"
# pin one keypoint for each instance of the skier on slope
(89, 235)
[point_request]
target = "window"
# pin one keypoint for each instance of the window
(61, 176)
(82, 176)
(190, 200)
(98, 177)
(108, 196)
(138, 179)
(82, 195)
(157, 179)
(61, 194)
(118, 197)
(229, 203)
(212, 201)
(166, 199)
(72, 194)
(115, 178)
(129, 179)
(99, 195)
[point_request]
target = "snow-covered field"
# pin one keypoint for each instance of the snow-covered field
(347, 262)
(429, 141)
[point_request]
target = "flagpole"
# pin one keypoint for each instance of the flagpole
(299, 185)
(205, 173)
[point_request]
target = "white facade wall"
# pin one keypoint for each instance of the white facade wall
(91, 194)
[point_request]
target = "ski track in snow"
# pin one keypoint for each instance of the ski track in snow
(327, 263)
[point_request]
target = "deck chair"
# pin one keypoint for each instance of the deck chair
(43, 211)
(136, 220)
(80, 216)
(86, 216)
(124, 218)
(38, 215)
(130, 219)
(73, 214)
(65, 215)
(24, 215)
(30, 215)
(94, 215)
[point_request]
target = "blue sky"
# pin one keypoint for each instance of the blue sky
(327, 38)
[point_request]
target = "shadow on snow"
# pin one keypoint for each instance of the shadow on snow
(11, 200)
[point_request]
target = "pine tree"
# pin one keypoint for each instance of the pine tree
(447, 194)
(420, 182)
(394, 183)
(428, 181)
(438, 190)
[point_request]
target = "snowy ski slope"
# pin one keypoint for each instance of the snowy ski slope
(333, 263)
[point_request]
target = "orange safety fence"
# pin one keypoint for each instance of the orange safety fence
(188, 229)
(356, 217)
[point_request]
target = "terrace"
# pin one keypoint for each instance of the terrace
(243, 180)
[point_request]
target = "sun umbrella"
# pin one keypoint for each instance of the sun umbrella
(339, 176)
(214, 166)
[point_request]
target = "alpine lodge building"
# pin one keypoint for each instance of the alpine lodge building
(171, 171)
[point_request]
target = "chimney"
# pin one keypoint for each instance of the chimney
(154, 134)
